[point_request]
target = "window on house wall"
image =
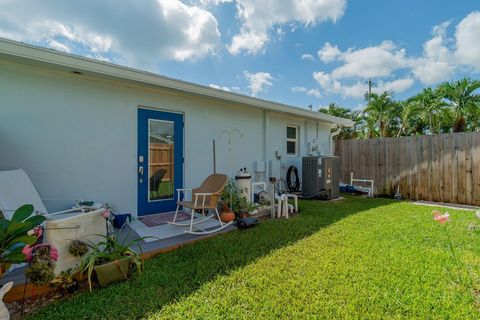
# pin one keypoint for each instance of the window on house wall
(292, 140)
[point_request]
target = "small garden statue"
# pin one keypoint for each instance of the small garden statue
(4, 314)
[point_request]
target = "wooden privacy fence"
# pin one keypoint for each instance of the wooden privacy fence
(443, 168)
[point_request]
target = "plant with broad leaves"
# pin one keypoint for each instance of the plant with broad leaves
(14, 234)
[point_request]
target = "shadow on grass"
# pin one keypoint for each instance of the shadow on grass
(175, 275)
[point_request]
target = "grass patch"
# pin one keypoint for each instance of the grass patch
(351, 259)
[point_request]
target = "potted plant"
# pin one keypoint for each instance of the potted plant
(226, 214)
(244, 207)
(14, 235)
(78, 248)
(111, 260)
(232, 199)
(41, 258)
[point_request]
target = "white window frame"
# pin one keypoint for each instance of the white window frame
(297, 130)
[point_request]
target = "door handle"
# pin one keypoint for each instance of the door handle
(140, 174)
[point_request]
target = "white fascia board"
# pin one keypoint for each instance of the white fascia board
(49, 57)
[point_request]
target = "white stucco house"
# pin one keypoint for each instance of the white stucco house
(87, 129)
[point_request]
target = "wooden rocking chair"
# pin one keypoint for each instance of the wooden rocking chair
(204, 198)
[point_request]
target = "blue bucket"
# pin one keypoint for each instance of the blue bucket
(120, 219)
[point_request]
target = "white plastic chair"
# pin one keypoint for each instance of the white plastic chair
(79, 223)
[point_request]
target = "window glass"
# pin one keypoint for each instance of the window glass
(291, 147)
(291, 132)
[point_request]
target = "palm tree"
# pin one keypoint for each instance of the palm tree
(464, 102)
(429, 104)
(335, 110)
(408, 108)
(379, 111)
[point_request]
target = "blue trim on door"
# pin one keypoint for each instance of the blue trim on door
(143, 205)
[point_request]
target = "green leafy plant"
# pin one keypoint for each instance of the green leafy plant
(66, 282)
(231, 198)
(42, 259)
(111, 249)
(14, 234)
(245, 206)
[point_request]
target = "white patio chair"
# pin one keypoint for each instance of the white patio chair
(80, 223)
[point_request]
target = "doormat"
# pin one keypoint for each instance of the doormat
(164, 218)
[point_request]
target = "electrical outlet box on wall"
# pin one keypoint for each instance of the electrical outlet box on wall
(274, 168)
(259, 166)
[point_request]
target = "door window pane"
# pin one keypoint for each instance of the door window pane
(160, 160)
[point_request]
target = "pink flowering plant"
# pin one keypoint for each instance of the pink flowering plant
(444, 220)
(21, 230)
(41, 258)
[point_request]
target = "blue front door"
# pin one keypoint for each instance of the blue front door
(160, 160)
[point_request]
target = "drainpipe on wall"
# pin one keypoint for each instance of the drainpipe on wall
(333, 134)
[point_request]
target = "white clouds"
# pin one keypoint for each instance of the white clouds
(374, 61)
(133, 32)
(314, 93)
(328, 53)
(356, 65)
(440, 60)
(216, 86)
(436, 64)
(357, 88)
(224, 88)
(258, 82)
(214, 2)
(309, 92)
(298, 89)
(468, 40)
(58, 46)
(430, 71)
(307, 56)
(260, 17)
(398, 85)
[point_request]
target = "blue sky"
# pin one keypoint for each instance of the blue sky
(296, 52)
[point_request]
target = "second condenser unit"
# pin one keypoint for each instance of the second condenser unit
(320, 177)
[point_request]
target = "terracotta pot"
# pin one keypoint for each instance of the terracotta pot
(227, 216)
(243, 214)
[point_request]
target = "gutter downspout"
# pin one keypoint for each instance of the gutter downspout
(333, 134)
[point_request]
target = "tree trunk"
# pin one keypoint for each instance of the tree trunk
(459, 125)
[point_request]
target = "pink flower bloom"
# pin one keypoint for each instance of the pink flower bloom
(27, 252)
(106, 213)
(38, 232)
(53, 253)
(442, 219)
(436, 213)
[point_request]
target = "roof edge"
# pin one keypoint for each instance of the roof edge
(80, 63)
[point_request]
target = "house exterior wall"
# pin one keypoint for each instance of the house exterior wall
(76, 136)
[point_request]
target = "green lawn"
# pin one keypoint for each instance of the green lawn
(350, 259)
(165, 191)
